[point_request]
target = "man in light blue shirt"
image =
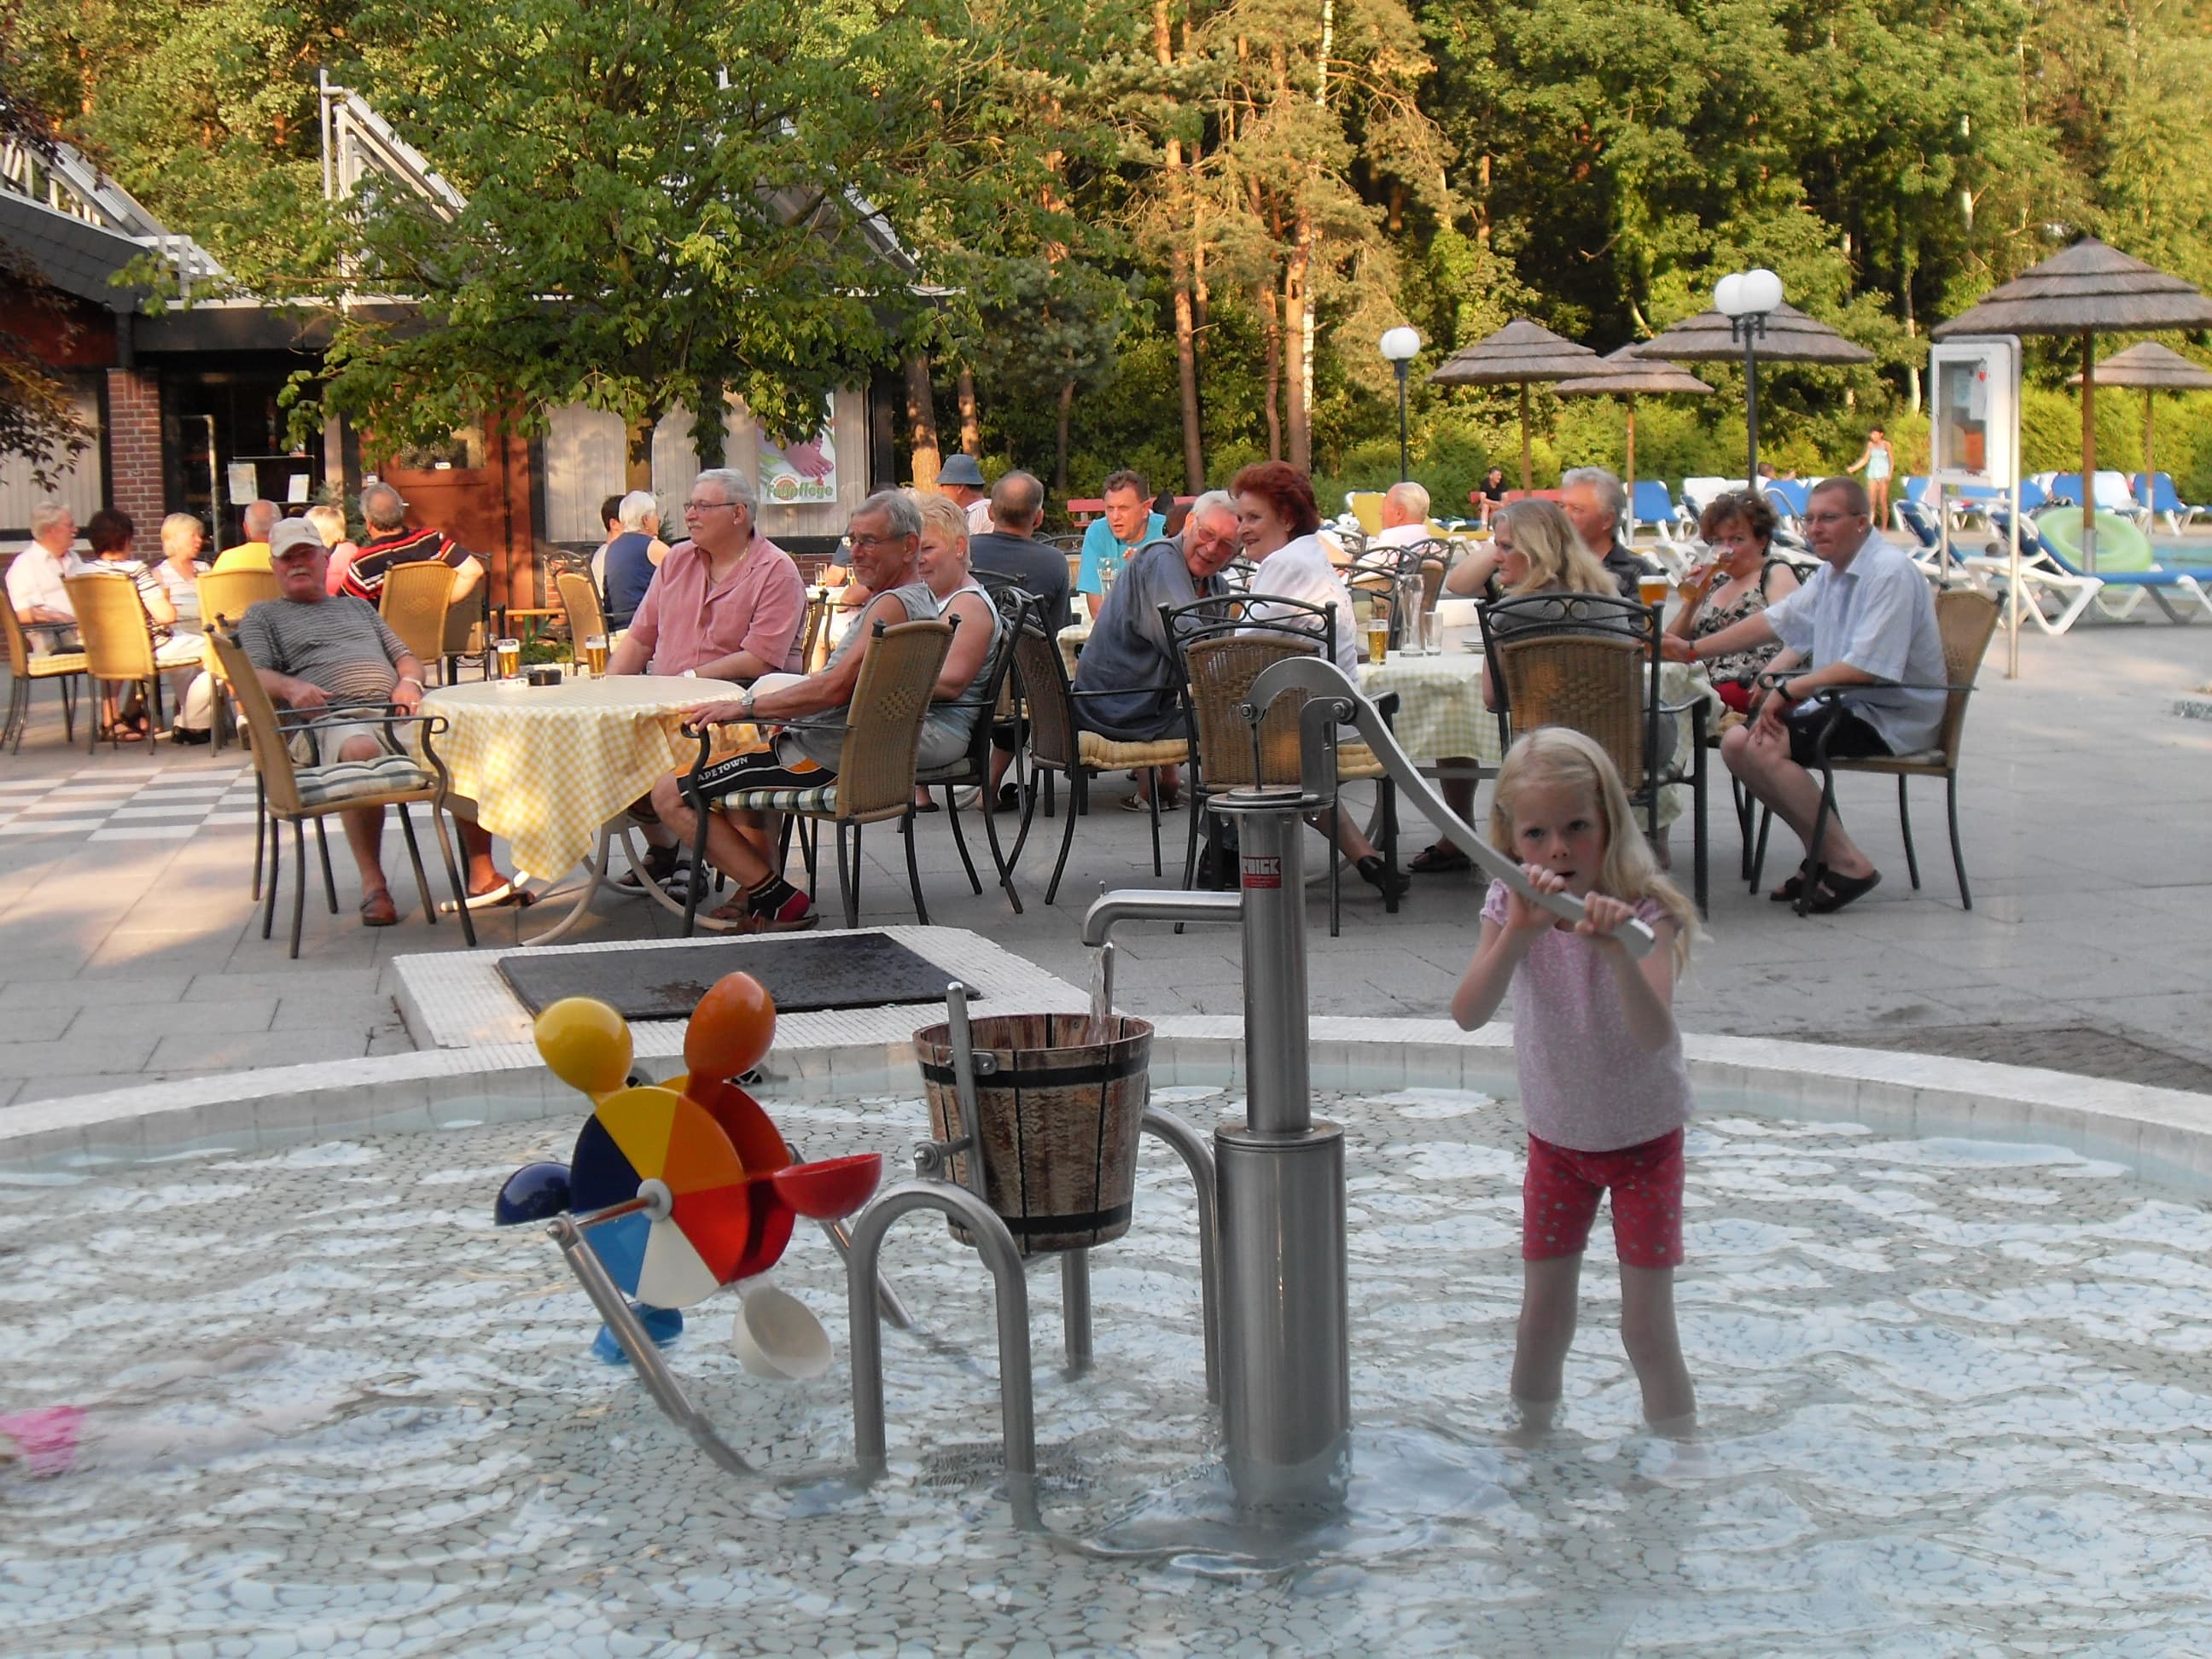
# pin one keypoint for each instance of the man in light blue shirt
(1865, 622)
(1128, 524)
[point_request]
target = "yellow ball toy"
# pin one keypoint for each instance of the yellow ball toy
(585, 1043)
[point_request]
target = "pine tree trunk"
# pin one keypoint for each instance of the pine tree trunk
(1272, 330)
(1193, 447)
(921, 421)
(971, 425)
(1060, 439)
(1298, 331)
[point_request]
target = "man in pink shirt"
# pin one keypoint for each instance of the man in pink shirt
(724, 606)
(727, 605)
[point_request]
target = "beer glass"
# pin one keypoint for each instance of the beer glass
(595, 653)
(1652, 589)
(509, 655)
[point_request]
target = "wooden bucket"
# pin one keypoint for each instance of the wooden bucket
(1060, 1121)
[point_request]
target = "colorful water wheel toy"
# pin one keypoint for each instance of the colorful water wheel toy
(686, 1186)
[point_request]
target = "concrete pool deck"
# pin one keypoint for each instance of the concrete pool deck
(129, 950)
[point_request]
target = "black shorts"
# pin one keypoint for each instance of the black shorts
(1849, 738)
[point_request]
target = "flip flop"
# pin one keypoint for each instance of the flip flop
(1836, 891)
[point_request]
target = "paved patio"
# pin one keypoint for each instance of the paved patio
(129, 949)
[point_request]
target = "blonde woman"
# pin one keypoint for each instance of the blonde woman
(330, 523)
(1538, 552)
(956, 698)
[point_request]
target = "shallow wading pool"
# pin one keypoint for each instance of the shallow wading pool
(1956, 1393)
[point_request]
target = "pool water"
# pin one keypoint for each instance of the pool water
(1956, 1397)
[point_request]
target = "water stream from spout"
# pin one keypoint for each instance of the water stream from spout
(1100, 1025)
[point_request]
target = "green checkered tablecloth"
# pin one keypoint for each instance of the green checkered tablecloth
(1441, 716)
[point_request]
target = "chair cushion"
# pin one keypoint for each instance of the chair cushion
(61, 662)
(820, 801)
(1356, 760)
(342, 781)
(1110, 752)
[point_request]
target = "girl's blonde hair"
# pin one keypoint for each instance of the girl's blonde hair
(1557, 561)
(1557, 757)
(947, 514)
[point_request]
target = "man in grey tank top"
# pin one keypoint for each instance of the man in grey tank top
(884, 535)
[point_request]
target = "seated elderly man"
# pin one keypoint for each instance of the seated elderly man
(884, 535)
(727, 605)
(317, 652)
(35, 578)
(1866, 622)
(1405, 514)
(1127, 683)
(389, 544)
(252, 554)
(1011, 551)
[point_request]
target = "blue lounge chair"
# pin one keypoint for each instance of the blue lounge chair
(1786, 496)
(2125, 572)
(2166, 502)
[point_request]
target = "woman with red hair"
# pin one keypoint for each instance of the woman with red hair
(1276, 520)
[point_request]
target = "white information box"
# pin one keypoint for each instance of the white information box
(1974, 412)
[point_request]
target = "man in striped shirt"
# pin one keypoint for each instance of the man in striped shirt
(317, 652)
(391, 544)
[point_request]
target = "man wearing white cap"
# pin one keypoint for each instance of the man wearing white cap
(317, 651)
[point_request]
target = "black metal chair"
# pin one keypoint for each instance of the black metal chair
(973, 769)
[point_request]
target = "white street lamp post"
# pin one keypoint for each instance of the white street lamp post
(1745, 298)
(1400, 346)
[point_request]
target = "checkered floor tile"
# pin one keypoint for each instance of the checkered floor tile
(141, 803)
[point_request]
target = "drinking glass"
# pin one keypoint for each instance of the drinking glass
(508, 653)
(595, 653)
(1432, 635)
(1378, 636)
(1652, 589)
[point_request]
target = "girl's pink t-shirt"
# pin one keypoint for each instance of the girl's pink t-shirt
(1585, 1084)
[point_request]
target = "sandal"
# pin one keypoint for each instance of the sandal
(377, 909)
(1786, 893)
(1440, 859)
(1835, 892)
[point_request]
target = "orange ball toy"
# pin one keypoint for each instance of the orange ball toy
(730, 1028)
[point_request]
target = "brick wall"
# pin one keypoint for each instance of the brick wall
(134, 446)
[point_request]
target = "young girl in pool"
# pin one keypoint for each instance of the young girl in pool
(1603, 1089)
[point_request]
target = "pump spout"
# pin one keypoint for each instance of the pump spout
(1335, 701)
(1108, 910)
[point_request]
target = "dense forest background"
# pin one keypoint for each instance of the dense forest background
(1166, 232)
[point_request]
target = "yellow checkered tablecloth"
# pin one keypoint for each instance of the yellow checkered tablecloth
(547, 765)
(1441, 714)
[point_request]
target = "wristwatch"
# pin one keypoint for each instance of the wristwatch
(745, 702)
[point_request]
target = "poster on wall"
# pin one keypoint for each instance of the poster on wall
(794, 474)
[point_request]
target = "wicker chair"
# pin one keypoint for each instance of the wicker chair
(1967, 620)
(296, 793)
(973, 769)
(1590, 662)
(225, 598)
(416, 597)
(875, 776)
(468, 633)
(1058, 744)
(25, 671)
(118, 640)
(1224, 644)
(580, 599)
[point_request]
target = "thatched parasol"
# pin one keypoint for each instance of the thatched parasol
(1628, 375)
(2089, 290)
(2155, 368)
(1517, 353)
(1791, 337)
